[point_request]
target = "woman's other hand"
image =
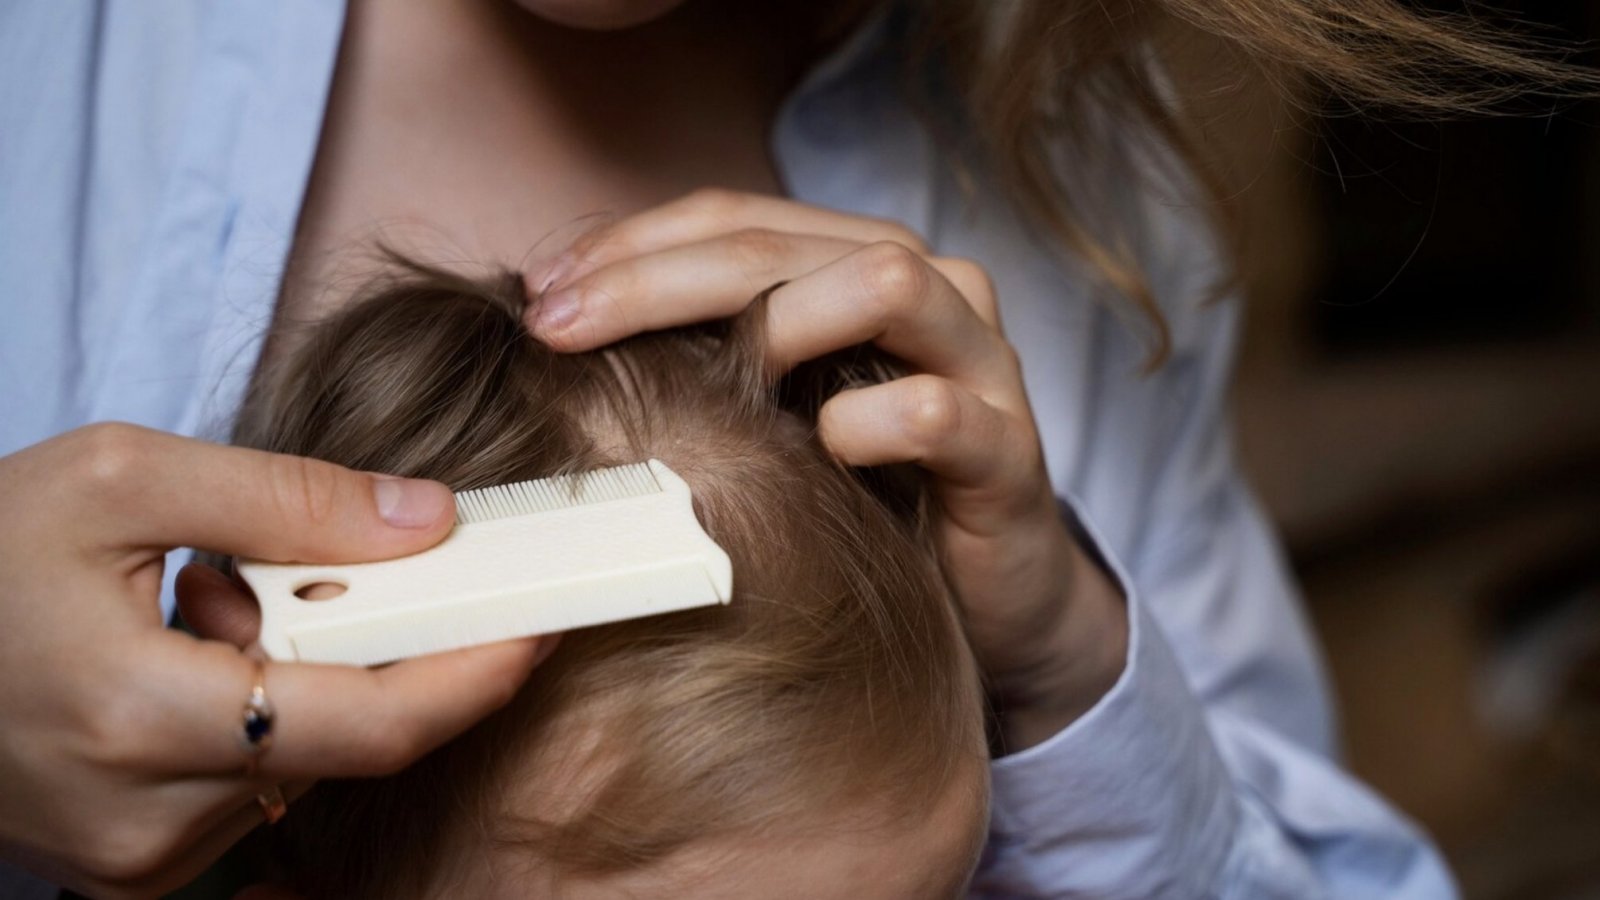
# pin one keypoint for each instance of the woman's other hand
(1049, 628)
(121, 772)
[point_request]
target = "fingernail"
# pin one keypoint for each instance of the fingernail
(408, 503)
(557, 312)
(559, 269)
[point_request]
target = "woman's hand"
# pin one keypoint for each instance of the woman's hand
(1048, 627)
(120, 768)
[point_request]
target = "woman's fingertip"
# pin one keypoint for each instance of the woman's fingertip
(557, 313)
(411, 503)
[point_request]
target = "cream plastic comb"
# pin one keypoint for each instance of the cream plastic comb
(529, 558)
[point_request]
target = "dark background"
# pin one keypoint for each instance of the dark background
(1469, 231)
(1418, 404)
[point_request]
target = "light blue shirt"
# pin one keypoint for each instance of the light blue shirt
(153, 158)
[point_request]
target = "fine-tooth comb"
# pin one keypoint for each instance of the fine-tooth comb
(534, 557)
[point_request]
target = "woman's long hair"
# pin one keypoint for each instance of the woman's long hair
(1040, 81)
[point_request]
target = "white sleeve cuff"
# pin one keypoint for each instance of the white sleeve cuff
(1132, 799)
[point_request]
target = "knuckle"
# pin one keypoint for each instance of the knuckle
(304, 490)
(932, 412)
(715, 203)
(896, 276)
(109, 454)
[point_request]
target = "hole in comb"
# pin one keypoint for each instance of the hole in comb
(320, 590)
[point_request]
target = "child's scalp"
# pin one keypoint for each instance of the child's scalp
(838, 676)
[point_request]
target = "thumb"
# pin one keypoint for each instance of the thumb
(156, 491)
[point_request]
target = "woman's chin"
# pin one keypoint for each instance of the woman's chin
(600, 15)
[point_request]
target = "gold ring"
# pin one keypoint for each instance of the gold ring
(257, 719)
(272, 804)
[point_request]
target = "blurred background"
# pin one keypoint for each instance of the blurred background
(1418, 404)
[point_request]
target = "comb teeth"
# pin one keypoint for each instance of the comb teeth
(544, 494)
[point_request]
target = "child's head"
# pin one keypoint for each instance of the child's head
(819, 736)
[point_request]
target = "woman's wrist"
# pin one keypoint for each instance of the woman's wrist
(1074, 663)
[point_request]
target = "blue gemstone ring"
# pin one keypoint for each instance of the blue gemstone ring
(255, 730)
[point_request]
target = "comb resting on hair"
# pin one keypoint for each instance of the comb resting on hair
(534, 557)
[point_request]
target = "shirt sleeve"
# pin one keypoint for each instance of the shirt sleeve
(1152, 794)
(1208, 769)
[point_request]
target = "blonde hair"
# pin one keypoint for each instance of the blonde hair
(836, 680)
(1065, 103)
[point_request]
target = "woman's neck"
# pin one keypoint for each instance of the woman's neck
(472, 130)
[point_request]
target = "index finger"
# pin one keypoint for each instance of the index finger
(706, 214)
